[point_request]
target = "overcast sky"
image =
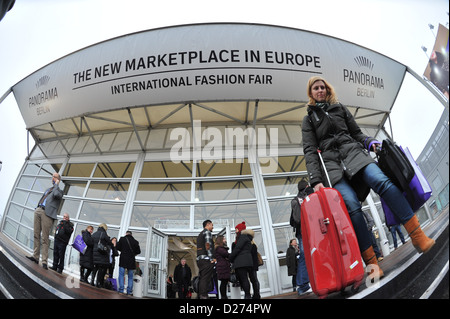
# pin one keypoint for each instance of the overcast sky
(35, 33)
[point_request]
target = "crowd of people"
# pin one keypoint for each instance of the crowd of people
(98, 260)
(216, 263)
(328, 127)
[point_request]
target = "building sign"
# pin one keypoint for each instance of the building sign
(206, 62)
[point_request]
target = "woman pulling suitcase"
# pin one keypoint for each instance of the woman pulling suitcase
(330, 127)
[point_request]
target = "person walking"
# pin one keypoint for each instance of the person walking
(330, 127)
(129, 248)
(205, 259)
(87, 259)
(62, 236)
(182, 276)
(44, 216)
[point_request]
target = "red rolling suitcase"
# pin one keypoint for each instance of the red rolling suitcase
(332, 255)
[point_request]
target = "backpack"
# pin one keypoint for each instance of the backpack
(296, 207)
(295, 212)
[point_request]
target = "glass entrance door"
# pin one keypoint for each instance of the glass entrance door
(156, 264)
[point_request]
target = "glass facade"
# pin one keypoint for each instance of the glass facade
(164, 201)
(175, 198)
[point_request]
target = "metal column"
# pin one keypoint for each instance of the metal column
(383, 237)
(267, 233)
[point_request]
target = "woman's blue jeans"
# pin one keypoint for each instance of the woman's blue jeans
(374, 177)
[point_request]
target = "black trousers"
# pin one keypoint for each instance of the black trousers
(99, 272)
(242, 274)
(182, 289)
(59, 253)
(223, 288)
(205, 272)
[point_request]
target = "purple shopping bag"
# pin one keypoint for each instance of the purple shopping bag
(388, 215)
(419, 185)
(113, 282)
(419, 191)
(79, 244)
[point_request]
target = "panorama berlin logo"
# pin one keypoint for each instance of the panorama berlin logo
(45, 95)
(364, 76)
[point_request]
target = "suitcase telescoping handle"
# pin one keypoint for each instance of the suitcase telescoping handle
(324, 167)
(336, 218)
(324, 222)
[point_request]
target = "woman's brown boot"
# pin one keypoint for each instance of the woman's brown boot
(370, 258)
(420, 241)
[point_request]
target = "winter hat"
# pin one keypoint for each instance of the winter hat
(241, 226)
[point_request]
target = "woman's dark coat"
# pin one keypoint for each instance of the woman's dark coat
(291, 260)
(241, 256)
(344, 147)
(223, 263)
(87, 259)
(99, 258)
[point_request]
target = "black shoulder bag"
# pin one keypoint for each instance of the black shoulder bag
(102, 249)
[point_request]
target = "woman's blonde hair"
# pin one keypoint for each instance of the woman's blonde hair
(331, 94)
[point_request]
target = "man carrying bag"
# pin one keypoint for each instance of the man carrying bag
(129, 248)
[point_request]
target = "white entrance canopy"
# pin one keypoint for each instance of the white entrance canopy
(224, 74)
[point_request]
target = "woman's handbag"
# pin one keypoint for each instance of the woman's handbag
(102, 249)
(79, 244)
(260, 260)
(394, 163)
(233, 277)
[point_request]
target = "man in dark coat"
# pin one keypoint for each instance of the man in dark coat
(62, 236)
(129, 248)
(182, 276)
